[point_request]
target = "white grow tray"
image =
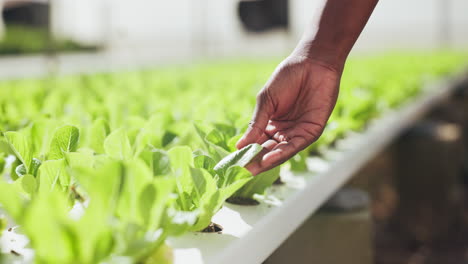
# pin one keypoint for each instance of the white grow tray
(252, 233)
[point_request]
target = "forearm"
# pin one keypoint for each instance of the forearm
(336, 28)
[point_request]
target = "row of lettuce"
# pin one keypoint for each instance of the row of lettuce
(103, 168)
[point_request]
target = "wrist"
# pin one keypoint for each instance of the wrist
(325, 55)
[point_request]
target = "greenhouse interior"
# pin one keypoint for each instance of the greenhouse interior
(233, 131)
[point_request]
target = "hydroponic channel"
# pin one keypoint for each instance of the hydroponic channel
(251, 234)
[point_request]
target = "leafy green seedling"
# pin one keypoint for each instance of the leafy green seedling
(64, 140)
(242, 157)
(21, 146)
(117, 145)
(98, 132)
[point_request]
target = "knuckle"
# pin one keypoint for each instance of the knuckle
(264, 100)
(261, 96)
(264, 94)
(317, 133)
(254, 126)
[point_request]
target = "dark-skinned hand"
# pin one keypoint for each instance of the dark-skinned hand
(291, 111)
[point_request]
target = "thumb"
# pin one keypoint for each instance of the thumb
(256, 131)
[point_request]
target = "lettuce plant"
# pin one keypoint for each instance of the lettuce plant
(198, 189)
(127, 215)
(241, 158)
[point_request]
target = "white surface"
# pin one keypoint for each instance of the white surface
(252, 233)
(10, 241)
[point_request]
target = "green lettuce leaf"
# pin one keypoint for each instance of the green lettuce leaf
(117, 145)
(258, 184)
(241, 158)
(21, 146)
(98, 132)
(64, 140)
(51, 175)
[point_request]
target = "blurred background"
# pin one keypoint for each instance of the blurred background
(128, 33)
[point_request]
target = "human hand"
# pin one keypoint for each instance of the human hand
(292, 110)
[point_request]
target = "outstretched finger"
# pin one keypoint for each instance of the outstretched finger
(284, 151)
(281, 153)
(256, 131)
(255, 167)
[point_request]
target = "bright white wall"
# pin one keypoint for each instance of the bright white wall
(85, 21)
(459, 23)
(155, 21)
(186, 27)
(211, 27)
(400, 24)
